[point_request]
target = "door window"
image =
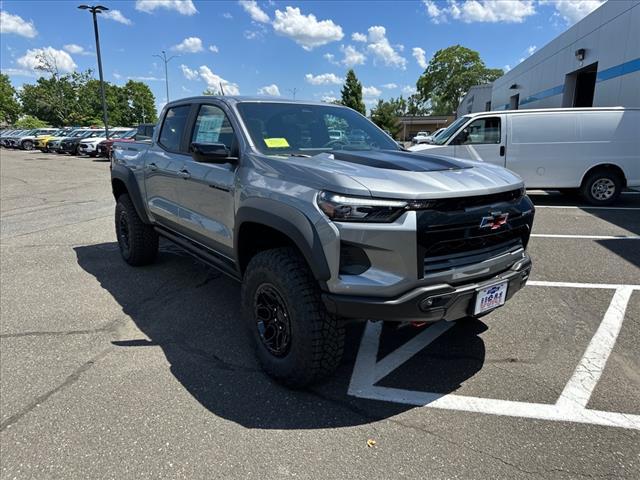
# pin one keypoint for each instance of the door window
(212, 126)
(481, 131)
(173, 127)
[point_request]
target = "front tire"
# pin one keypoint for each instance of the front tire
(297, 341)
(601, 187)
(27, 145)
(138, 241)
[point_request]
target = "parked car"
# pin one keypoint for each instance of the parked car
(26, 142)
(6, 134)
(337, 135)
(104, 147)
(41, 141)
(71, 144)
(320, 232)
(11, 141)
(89, 145)
(420, 137)
(595, 151)
(430, 138)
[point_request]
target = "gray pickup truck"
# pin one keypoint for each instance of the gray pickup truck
(320, 229)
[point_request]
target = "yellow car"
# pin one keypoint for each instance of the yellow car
(42, 142)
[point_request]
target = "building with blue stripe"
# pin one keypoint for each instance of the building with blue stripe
(595, 63)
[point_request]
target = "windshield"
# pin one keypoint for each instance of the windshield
(94, 133)
(301, 129)
(121, 133)
(78, 133)
(443, 136)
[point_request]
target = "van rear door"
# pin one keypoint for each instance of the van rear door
(483, 139)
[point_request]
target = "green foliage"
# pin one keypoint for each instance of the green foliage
(385, 114)
(352, 93)
(75, 99)
(9, 106)
(30, 122)
(449, 76)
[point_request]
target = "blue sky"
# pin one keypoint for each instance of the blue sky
(276, 46)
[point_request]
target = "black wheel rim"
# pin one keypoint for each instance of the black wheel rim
(272, 320)
(123, 233)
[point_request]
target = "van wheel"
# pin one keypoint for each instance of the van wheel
(601, 187)
(297, 341)
(138, 241)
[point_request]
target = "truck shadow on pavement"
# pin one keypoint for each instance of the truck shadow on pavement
(192, 313)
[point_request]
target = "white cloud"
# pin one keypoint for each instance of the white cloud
(212, 80)
(352, 56)
(328, 99)
(409, 90)
(531, 49)
(117, 76)
(16, 24)
(390, 86)
(272, 90)
(470, 11)
(420, 55)
(61, 59)
(371, 92)
(382, 50)
(188, 73)
(183, 7)
(145, 79)
(573, 11)
(117, 16)
(189, 45)
(330, 57)
(227, 15)
(254, 11)
(358, 37)
(214, 48)
(18, 72)
(73, 48)
(306, 30)
(185, 89)
(323, 79)
(506, 68)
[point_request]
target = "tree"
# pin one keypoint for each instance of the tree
(9, 106)
(352, 93)
(449, 76)
(385, 114)
(141, 103)
(30, 122)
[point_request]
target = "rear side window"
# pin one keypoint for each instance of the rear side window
(212, 126)
(481, 131)
(173, 127)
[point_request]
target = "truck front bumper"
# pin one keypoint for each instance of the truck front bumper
(426, 304)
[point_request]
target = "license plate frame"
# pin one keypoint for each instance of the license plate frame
(490, 297)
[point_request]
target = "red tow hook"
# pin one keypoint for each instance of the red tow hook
(418, 324)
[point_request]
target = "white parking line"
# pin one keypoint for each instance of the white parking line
(573, 207)
(570, 407)
(548, 192)
(589, 237)
(578, 390)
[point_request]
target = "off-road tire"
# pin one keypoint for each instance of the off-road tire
(138, 241)
(316, 337)
(588, 188)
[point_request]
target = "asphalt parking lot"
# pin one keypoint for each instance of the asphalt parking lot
(112, 372)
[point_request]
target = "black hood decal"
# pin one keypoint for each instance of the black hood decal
(398, 160)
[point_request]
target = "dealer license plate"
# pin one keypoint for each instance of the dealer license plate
(490, 297)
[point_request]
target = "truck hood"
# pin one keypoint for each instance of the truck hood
(398, 174)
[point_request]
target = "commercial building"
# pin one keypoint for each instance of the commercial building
(595, 63)
(477, 99)
(414, 124)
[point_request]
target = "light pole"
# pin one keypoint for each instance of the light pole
(293, 91)
(166, 60)
(94, 11)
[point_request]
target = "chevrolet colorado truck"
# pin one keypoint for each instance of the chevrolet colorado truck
(320, 230)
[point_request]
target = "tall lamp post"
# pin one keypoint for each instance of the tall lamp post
(166, 60)
(94, 11)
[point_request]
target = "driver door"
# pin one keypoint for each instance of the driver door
(483, 139)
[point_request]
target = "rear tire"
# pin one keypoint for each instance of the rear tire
(27, 145)
(138, 241)
(602, 187)
(297, 341)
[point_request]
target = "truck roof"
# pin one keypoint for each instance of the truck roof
(241, 98)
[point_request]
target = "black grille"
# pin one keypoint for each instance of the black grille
(434, 264)
(462, 203)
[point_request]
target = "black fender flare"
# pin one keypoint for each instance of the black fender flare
(292, 223)
(126, 176)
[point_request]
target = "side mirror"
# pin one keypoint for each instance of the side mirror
(211, 153)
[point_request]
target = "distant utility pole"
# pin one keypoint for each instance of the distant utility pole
(293, 92)
(166, 60)
(94, 11)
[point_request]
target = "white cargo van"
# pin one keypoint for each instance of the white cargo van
(593, 150)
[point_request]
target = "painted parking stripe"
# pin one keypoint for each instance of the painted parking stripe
(570, 407)
(588, 237)
(549, 193)
(573, 207)
(578, 390)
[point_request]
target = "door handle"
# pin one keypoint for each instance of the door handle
(184, 174)
(153, 166)
(502, 150)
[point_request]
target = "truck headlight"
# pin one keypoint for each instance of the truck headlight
(344, 208)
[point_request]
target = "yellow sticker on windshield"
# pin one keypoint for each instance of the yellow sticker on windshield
(276, 142)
